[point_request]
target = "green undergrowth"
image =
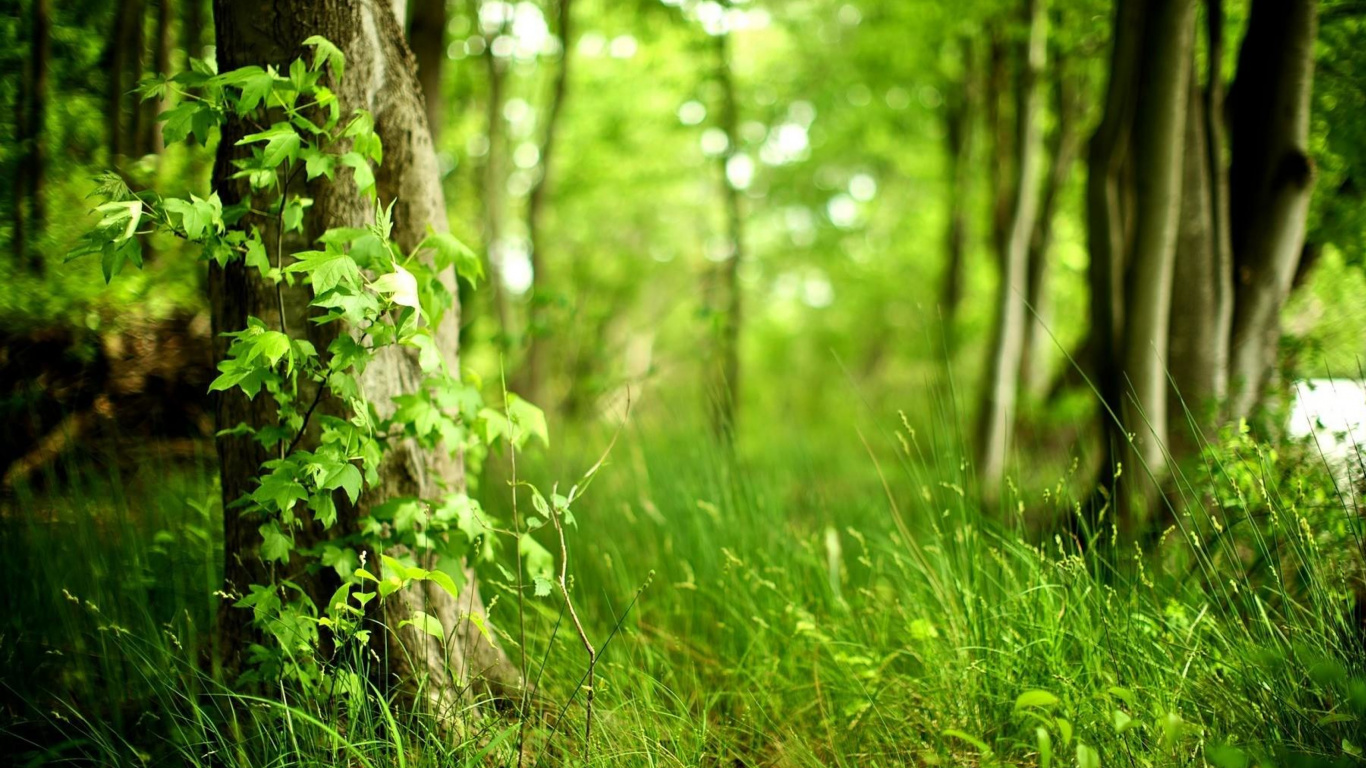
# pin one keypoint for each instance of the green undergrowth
(801, 601)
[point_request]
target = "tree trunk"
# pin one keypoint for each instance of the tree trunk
(427, 37)
(1158, 150)
(1201, 289)
(380, 77)
(960, 123)
(118, 56)
(149, 138)
(1002, 150)
(192, 28)
(1062, 151)
(726, 300)
(30, 121)
(533, 375)
(1270, 180)
(136, 51)
(1002, 382)
(495, 184)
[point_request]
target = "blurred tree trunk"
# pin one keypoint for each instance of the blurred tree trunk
(725, 299)
(538, 325)
(1062, 145)
(123, 73)
(495, 185)
(192, 28)
(1158, 154)
(960, 122)
(380, 73)
(149, 136)
(1202, 290)
(1270, 180)
(137, 67)
(997, 416)
(1002, 170)
(30, 211)
(427, 38)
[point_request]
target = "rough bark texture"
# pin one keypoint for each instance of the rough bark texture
(427, 37)
(380, 77)
(1002, 383)
(726, 300)
(1270, 179)
(532, 380)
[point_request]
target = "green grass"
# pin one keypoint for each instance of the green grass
(808, 602)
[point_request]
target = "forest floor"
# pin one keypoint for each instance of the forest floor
(812, 603)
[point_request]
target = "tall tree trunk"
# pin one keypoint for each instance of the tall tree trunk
(1062, 147)
(495, 185)
(149, 137)
(960, 118)
(118, 56)
(381, 78)
(1003, 152)
(1002, 383)
(1270, 180)
(137, 66)
(1201, 288)
(726, 300)
(192, 28)
(533, 375)
(30, 212)
(1158, 130)
(427, 37)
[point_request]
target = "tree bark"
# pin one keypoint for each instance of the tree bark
(119, 54)
(1201, 288)
(380, 78)
(427, 37)
(1002, 384)
(1158, 130)
(1270, 180)
(533, 378)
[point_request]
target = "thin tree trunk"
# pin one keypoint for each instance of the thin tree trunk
(1062, 147)
(118, 52)
(1003, 152)
(1270, 179)
(1158, 129)
(533, 379)
(192, 28)
(427, 37)
(725, 390)
(137, 61)
(149, 138)
(495, 186)
(1002, 383)
(960, 125)
(30, 213)
(380, 77)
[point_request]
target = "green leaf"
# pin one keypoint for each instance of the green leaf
(425, 622)
(327, 269)
(537, 558)
(345, 477)
(444, 580)
(365, 177)
(323, 49)
(282, 143)
(542, 586)
(1087, 757)
(275, 545)
(1035, 699)
(449, 251)
(969, 738)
